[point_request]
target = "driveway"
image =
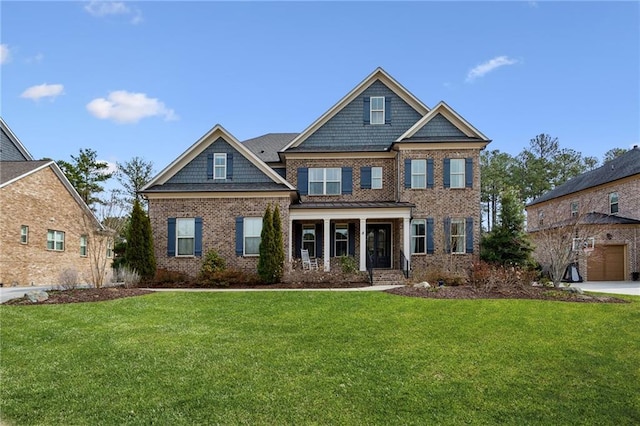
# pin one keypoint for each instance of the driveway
(8, 293)
(615, 287)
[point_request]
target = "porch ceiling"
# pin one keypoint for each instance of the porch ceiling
(351, 210)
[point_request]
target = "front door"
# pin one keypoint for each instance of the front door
(379, 245)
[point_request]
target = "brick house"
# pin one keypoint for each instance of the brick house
(46, 227)
(606, 201)
(379, 176)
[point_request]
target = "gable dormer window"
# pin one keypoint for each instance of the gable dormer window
(219, 166)
(377, 110)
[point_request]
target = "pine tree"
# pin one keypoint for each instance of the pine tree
(139, 252)
(278, 250)
(267, 248)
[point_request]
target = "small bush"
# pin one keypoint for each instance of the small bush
(435, 276)
(68, 279)
(348, 264)
(226, 278)
(130, 277)
(212, 263)
(165, 276)
(489, 277)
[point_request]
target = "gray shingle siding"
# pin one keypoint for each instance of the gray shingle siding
(347, 127)
(439, 126)
(8, 151)
(243, 170)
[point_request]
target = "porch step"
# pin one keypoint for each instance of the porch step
(388, 277)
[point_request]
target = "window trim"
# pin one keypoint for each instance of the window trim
(344, 226)
(613, 195)
(24, 234)
(217, 167)
(376, 180)
(324, 180)
(245, 236)
(414, 174)
(373, 110)
(84, 244)
(55, 239)
(185, 237)
(309, 229)
(574, 208)
(463, 224)
(415, 237)
(459, 174)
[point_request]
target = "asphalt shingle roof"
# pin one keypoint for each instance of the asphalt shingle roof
(628, 164)
(266, 147)
(217, 187)
(10, 170)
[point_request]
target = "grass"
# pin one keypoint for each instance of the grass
(320, 358)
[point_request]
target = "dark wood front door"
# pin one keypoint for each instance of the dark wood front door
(379, 245)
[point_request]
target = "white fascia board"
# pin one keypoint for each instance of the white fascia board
(350, 213)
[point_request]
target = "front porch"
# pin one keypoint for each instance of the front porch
(376, 234)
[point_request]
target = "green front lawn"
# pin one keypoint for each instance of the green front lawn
(320, 358)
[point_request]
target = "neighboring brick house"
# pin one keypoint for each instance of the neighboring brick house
(606, 201)
(379, 176)
(46, 228)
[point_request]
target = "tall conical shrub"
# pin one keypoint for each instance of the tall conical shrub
(265, 262)
(139, 251)
(278, 249)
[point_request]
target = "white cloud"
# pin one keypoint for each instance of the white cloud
(490, 65)
(106, 8)
(111, 167)
(125, 107)
(5, 54)
(43, 91)
(38, 58)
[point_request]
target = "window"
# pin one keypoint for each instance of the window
(325, 181)
(376, 178)
(83, 245)
(252, 230)
(219, 166)
(377, 110)
(55, 240)
(341, 240)
(185, 236)
(457, 236)
(613, 203)
(418, 174)
(457, 172)
(540, 218)
(574, 209)
(24, 234)
(309, 239)
(418, 236)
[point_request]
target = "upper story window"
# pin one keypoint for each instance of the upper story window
(376, 178)
(377, 110)
(309, 239)
(341, 240)
(457, 172)
(613, 203)
(457, 235)
(219, 166)
(185, 236)
(55, 240)
(24, 234)
(540, 218)
(252, 235)
(83, 245)
(418, 236)
(325, 181)
(574, 209)
(418, 174)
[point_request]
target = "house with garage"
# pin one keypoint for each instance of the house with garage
(379, 176)
(604, 204)
(46, 229)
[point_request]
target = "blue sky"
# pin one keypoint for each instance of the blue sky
(149, 78)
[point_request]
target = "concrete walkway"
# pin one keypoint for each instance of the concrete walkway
(615, 287)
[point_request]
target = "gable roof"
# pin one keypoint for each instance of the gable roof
(200, 145)
(444, 110)
(377, 75)
(266, 147)
(628, 164)
(15, 141)
(13, 171)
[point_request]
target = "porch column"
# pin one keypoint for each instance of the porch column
(290, 250)
(327, 245)
(406, 241)
(363, 244)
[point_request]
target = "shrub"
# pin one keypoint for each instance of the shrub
(348, 264)
(168, 278)
(434, 276)
(139, 253)
(128, 276)
(212, 262)
(226, 278)
(68, 279)
(487, 276)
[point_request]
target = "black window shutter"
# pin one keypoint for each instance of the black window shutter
(319, 241)
(407, 173)
(171, 236)
(468, 172)
(303, 180)
(469, 235)
(347, 180)
(210, 166)
(332, 241)
(430, 244)
(239, 236)
(429, 172)
(447, 173)
(229, 166)
(387, 110)
(198, 237)
(447, 235)
(352, 239)
(365, 177)
(366, 110)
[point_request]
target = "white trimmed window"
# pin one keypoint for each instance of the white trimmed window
(613, 203)
(377, 110)
(109, 248)
(309, 239)
(252, 230)
(24, 234)
(457, 172)
(219, 166)
(418, 174)
(325, 181)
(457, 236)
(376, 178)
(83, 245)
(574, 209)
(341, 238)
(185, 236)
(55, 240)
(418, 236)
